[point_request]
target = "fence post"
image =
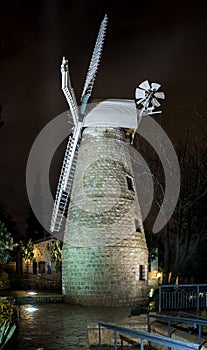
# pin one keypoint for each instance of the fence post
(148, 323)
(168, 329)
(197, 297)
(199, 333)
(99, 337)
(160, 307)
(115, 339)
(148, 328)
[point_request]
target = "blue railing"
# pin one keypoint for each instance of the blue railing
(146, 337)
(182, 296)
(170, 320)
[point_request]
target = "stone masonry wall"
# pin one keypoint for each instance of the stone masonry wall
(104, 245)
(106, 276)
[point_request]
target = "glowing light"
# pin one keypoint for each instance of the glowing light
(31, 309)
(151, 292)
(159, 275)
(31, 293)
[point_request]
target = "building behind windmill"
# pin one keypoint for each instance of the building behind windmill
(105, 256)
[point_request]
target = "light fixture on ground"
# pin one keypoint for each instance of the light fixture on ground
(31, 309)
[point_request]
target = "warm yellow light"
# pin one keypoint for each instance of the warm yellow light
(31, 293)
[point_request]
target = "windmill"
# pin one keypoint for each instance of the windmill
(146, 99)
(104, 223)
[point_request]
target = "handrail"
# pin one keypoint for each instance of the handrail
(145, 336)
(174, 296)
(175, 286)
(190, 314)
(176, 320)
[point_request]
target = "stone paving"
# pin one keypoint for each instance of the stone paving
(57, 326)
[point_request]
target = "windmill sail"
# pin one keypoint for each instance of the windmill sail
(93, 67)
(64, 187)
(146, 98)
(68, 90)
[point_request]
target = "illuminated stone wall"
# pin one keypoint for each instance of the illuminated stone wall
(42, 257)
(105, 255)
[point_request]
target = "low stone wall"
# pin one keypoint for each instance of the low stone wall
(40, 282)
(107, 335)
(39, 299)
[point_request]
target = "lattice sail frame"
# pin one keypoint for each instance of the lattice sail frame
(65, 183)
(93, 66)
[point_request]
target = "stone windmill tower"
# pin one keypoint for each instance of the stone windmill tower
(105, 256)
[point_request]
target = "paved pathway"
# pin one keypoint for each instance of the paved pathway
(60, 326)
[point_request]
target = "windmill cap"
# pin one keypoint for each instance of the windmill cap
(115, 113)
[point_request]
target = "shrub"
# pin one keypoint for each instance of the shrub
(7, 309)
(4, 280)
(55, 250)
(7, 325)
(6, 244)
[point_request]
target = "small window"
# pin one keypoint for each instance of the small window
(142, 272)
(137, 226)
(130, 183)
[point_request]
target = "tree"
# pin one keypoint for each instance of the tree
(5, 217)
(189, 222)
(184, 235)
(55, 250)
(6, 244)
(182, 238)
(152, 244)
(27, 250)
(1, 121)
(10, 224)
(34, 229)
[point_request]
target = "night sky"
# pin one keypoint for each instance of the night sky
(163, 41)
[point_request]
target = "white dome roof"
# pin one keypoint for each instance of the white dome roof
(112, 113)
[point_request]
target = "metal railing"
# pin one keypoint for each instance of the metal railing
(170, 320)
(146, 337)
(182, 296)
